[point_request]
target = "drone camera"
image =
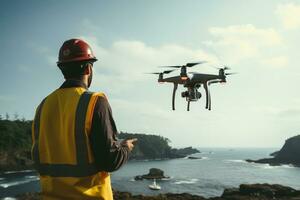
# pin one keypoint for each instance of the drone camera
(191, 95)
(185, 94)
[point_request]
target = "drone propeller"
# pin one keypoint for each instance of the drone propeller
(224, 67)
(174, 66)
(187, 65)
(230, 73)
(193, 72)
(196, 63)
(164, 72)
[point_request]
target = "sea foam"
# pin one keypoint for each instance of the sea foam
(189, 181)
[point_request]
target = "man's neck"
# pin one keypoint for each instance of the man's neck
(74, 83)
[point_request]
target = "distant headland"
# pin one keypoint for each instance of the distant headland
(289, 154)
(155, 147)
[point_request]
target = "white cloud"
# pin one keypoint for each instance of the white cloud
(289, 15)
(123, 65)
(290, 111)
(240, 42)
(280, 61)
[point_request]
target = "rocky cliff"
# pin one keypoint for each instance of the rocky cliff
(288, 154)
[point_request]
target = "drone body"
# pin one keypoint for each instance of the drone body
(193, 83)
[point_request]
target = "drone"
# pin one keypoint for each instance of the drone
(192, 81)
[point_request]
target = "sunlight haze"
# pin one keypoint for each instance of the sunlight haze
(257, 107)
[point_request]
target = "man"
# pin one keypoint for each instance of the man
(74, 133)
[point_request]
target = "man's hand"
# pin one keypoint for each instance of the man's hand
(129, 143)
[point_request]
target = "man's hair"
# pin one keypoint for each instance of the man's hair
(74, 70)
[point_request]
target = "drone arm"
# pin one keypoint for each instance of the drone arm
(173, 98)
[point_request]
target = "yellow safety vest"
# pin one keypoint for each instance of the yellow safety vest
(61, 147)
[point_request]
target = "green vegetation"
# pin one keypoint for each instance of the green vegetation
(15, 135)
(155, 147)
(15, 144)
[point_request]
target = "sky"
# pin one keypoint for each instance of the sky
(257, 107)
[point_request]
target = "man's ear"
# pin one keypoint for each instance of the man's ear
(88, 69)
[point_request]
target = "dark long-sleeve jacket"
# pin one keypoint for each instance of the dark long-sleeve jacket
(109, 154)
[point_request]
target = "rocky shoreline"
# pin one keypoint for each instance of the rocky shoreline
(244, 192)
(15, 161)
(289, 154)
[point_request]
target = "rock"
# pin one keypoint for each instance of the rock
(29, 196)
(288, 154)
(193, 157)
(274, 153)
(15, 160)
(138, 178)
(181, 153)
(244, 192)
(261, 191)
(154, 173)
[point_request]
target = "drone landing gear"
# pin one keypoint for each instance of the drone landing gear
(208, 98)
(188, 106)
(174, 92)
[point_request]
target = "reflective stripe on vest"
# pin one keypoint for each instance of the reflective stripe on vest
(83, 167)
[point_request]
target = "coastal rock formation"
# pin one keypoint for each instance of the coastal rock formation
(193, 157)
(244, 192)
(181, 153)
(154, 173)
(288, 154)
(153, 147)
(15, 160)
(260, 192)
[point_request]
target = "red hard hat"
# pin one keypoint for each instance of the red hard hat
(74, 50)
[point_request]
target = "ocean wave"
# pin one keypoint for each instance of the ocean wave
(236, 161)
(200, 158)
(8, 198)
(14, 172)
(189, 181)
(268, 166)
(166, 179)
(14, 183)
(207, 152)
(288, 166)
(31, 177)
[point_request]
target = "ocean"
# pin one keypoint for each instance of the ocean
(218, 169)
